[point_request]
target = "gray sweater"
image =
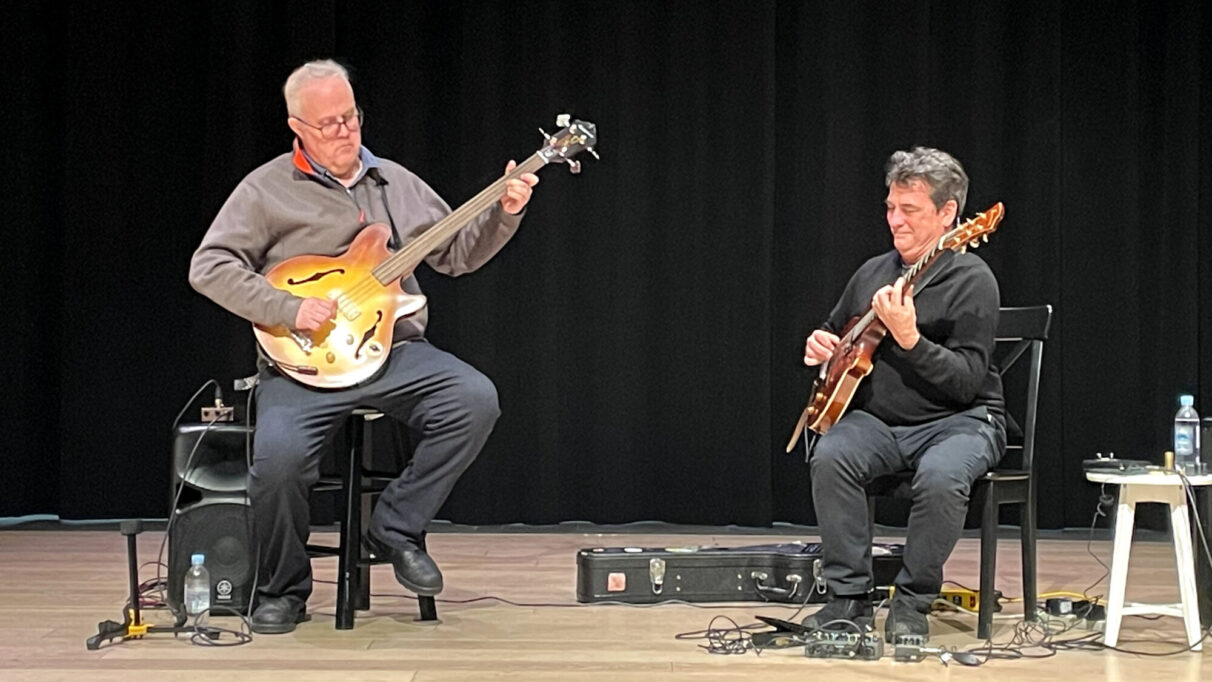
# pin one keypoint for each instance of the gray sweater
(288, 207)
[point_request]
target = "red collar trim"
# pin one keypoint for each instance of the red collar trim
(300, 160)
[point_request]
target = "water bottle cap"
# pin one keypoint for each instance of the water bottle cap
(197, 559)
(1186, 400)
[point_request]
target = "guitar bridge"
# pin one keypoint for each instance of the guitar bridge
(305, 343)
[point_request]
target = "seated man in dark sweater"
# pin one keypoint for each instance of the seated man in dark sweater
(931, 405)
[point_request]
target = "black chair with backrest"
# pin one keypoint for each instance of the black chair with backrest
(1021, 332)
(359, 485)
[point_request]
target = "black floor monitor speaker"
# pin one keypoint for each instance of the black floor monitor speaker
(212, 516)
(221, 529)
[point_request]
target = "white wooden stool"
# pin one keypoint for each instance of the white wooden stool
(1166, 488)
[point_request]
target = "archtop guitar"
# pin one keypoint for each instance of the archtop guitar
(841, 374)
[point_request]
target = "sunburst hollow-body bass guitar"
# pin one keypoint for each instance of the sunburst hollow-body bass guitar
(365, 282)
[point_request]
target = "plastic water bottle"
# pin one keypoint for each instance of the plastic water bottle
(197, 586)
(1186, 435)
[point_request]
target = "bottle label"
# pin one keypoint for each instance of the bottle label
(1183, 441)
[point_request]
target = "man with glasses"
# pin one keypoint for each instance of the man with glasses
(315, 200)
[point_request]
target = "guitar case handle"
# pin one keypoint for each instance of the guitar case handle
(782, 593)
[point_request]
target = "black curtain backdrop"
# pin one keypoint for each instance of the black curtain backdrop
(645, 326)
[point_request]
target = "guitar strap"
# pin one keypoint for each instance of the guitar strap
(931, 272)
(381, 183)
(809, 443)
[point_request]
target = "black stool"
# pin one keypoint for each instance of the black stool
(360, 486)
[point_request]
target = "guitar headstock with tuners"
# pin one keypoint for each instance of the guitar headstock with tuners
(973, 231)
(575, 137)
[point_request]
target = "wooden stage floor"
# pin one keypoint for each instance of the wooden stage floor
(55, 585)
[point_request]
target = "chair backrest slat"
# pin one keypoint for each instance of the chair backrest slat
(1020, 329)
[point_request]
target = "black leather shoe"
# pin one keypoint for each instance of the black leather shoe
(905, 619)
(278, 615)
(414, 569)
(856, 610)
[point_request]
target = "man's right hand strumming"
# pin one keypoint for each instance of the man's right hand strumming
(819, 347)
(314, 313)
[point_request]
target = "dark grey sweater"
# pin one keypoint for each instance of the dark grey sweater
(950, 369)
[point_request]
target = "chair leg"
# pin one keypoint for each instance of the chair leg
(351, 533)
(429, 608)
(1027, 529)
(984, 620)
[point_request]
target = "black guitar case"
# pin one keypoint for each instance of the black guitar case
(787, 572)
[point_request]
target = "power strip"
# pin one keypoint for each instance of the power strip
(833, 644)
(968, 599)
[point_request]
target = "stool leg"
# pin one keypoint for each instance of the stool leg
(429, 608)
(361, 596)
(351, 532)
(1180, 528)
(365, 457)
(1125, 522)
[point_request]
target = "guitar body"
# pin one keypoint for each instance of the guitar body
(353, 346)
(839, 378)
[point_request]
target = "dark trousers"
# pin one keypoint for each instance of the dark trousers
(448, 405)
(946, 456)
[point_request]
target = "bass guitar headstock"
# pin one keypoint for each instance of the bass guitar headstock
(575, 137)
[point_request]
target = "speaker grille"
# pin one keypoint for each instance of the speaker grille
(222, 530)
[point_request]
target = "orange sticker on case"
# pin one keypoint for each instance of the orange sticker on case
(616, 582)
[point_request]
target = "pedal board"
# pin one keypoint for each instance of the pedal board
(837, 644)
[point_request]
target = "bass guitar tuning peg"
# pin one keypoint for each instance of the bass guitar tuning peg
(544, 134)
(562, 120)
(574, 166)
(595, 154)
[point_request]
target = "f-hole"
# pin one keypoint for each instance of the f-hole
(370, 333)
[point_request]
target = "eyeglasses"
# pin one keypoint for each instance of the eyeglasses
(329, 131)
